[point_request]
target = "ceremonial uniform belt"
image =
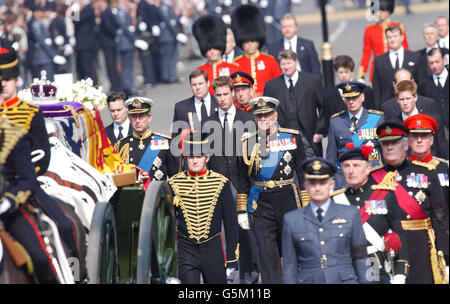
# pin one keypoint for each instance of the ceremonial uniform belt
(325, 262)
(437, 259)
(274, 183)
(196, 242)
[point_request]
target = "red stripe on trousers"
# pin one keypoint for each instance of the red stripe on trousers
(38, 234)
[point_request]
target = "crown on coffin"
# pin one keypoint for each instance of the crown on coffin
(42, 89)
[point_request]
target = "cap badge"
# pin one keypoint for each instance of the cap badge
(316, 165)
(419, 122)
(261, 103)
(348, 87)
(136, 103)
(238, 78)
(388, 130)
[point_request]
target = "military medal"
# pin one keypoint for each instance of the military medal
(443, 179)
(287, 156)
(287, 170)
(375, 207)
(141, 145)
(260, 65)
(398, 177)
(420, 197)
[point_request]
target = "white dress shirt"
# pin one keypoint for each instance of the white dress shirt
(125, 125)
(393, 57)
(294, 80)
(442, 77)
(443, 42)
(293, 45)
(230, 56)
(414, 112)
(324, 207)
(231, 114)
(358, 115)
(198, 106)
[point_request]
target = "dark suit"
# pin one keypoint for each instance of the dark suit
(301, 114)
(86, 48)
(107, 37)
(324, 251)
(58, 28)
(429, 89)
(40, 54)
(185, 109)
(383, 75)
(110, 133)
(423, 70)
(306, 54)
(333, 103)
(424, 105)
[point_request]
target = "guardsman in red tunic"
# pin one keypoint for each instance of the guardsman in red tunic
(248, 27)
(243, 90)
(211, 34)
(375, 42)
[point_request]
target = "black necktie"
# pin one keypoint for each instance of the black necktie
(225, 135)
(120, 136)
(290, 45)
(439, 85)
(319, 214)
(397, 63)
(353, 125)
(225, 58)
(203, 113)
(291, 86)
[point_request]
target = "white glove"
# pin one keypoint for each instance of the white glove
(48, 41)
(398, 279)
(263, 3)
(59, 40)
(72, 41)
(142, 26)
(243, 221)
(268, 19)
(226, 19)
(68, 50)
(228, 2)
(232, 276)
(114, 11)
(59, 60)
(37, 155)
(156, 31)
(297, 1)
(446, 272)
(141, 44)
(5, 205)
(182, 38)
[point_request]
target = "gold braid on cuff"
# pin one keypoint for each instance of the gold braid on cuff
(241, 202)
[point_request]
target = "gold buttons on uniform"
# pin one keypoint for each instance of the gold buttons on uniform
(357, 199)
(341, 235)
(408, 217)
(322, 243)
(302, 239)
(320, 229)
(410, 193)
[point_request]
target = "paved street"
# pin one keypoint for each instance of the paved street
(346, 30)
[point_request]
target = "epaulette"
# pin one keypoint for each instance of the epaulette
(32, 105)
(375, 112)
(442, 160)
(430, 166)
(162, 135)
(342, 190)
(267, 54)
(292, 131)
(337, 114)
(238, 57)
(376, 168)
(247, 135)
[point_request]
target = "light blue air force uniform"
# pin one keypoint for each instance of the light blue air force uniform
(332, 251)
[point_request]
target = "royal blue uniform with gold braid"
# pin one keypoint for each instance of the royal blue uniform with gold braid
(267, 191)
(363, 133)
(149, 152)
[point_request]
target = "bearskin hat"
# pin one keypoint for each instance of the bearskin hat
(211, 33)
(247, 23)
